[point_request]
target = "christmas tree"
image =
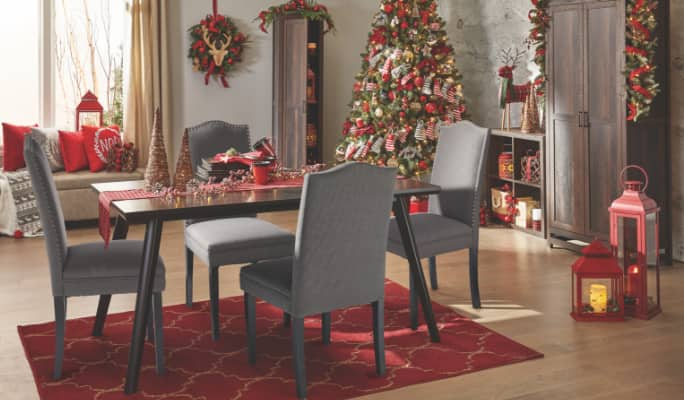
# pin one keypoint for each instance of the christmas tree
(408, 84)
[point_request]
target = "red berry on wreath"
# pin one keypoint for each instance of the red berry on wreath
(389, 8)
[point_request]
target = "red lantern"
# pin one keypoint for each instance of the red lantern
(89, 112)
(597, 286)
(634, 220)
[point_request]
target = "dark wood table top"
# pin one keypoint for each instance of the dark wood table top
(226, 203)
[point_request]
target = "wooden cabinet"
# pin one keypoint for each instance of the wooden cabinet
(589, 139)
(297, 90)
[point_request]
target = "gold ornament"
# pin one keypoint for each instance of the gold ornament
(393, 162)
(408, 56)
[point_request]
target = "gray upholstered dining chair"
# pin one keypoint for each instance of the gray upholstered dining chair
(452, 221)
(339, 258)
(227, 241)
(87, 269)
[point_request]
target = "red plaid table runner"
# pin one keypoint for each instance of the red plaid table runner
(105, 204)
(106, 199)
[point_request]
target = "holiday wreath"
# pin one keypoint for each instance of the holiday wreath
(308, 9)
(216, 46)
(642, 43)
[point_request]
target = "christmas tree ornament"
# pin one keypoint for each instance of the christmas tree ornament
(340, 153)
(377, 146)
(183, 173)
(430, 130)
(427, 86)
(351, 150)
(420, 133)
(379, 113)
(393, 162)
(389, 144)
(157, 171)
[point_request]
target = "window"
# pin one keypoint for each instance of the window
(80, 45)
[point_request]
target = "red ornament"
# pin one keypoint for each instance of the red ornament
(419, 81)
(634, 229)
(360, 123)
(18, 234)
(389, 8)
(430, 108)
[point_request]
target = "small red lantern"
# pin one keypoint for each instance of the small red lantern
(89, 112)
(597, 286)
(634, 220)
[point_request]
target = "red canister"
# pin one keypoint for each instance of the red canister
(506, 165)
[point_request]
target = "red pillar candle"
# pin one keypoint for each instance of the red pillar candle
(260, 170)
(633, 281)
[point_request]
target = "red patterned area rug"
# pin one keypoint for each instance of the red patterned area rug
(199, 368)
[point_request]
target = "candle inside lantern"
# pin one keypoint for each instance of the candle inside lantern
(598, 298)
(632, 281)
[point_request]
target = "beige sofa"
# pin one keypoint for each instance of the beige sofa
(79, 201)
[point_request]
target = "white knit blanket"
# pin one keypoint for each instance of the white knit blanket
(18, 207)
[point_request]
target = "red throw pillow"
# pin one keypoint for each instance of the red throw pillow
(98, 142)
(13, 147)
(73, 152)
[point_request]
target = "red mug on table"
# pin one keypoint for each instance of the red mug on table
(261, 171)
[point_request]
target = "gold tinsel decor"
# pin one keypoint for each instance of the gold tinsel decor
(183, 173)
(530, 114)
(157, 172)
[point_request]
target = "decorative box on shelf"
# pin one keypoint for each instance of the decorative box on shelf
(516, 162)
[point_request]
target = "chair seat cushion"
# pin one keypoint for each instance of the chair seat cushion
(269, 280)
(92, 269)
(435, 234)
(238, 241)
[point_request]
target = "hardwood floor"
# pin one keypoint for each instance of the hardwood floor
(525, 289)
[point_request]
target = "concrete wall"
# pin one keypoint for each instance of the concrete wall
(478, 29)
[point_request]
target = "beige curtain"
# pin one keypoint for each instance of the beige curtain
(149, 85)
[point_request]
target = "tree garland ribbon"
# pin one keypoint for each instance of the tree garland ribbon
(216, 47)
(308, 9)
(640, 49)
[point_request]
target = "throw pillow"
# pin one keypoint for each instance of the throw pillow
(49, 142)
(13, 147)
(98, 142)
(73, 152)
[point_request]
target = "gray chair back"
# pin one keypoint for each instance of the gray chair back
(339, 258)
(458, 169)
(50, 210)
(210, 138)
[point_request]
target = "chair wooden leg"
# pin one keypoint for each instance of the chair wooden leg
(60, 321)
(250, 321)
(158, 332)
(433, 272)
(101, 316)
(287, 320)
(189, 260)
(379, 336)
(413, 303)
(214, 301)
(474, 282)
(325, 327)
(298, 356)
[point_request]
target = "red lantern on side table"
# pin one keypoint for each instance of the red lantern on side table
(597, 286)
(634, 220)
(89, 112)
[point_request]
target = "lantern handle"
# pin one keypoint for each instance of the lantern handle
(643, 172)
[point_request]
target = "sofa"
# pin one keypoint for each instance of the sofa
(79, 201)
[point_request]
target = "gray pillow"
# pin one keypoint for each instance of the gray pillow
(48, 139)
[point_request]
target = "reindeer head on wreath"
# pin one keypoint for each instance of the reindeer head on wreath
(217, 48)
(508, 92)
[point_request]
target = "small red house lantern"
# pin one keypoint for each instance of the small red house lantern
(89, 112)
(597, 286)
(634, 220)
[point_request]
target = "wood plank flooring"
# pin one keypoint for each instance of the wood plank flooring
(525, 290)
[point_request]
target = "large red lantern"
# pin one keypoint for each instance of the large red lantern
(89, 112)
(634, 220)
(597, 286)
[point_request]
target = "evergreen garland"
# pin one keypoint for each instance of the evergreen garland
(640, 50)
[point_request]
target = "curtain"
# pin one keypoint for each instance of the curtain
(149, 86)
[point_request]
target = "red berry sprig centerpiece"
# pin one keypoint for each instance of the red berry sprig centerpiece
(308, 9)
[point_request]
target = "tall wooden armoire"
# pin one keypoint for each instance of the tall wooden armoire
(297, 90)
(589, 137)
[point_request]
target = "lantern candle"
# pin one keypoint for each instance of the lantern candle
(598, 297)
(632, 281)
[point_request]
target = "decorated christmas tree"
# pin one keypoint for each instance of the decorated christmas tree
(407, 86)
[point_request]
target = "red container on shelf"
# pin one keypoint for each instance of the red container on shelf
(506, 165)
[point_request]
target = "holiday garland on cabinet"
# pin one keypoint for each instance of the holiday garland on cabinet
(216, 46)
(308, 9)
(408, 84)
(640, 50)
(540, 19)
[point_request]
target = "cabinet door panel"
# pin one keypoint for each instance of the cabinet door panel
(602, 104)
(567, 141)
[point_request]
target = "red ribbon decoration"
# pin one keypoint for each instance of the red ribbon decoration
(215, 7)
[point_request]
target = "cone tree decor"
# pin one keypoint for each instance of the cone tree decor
(408, 83)
(157, 172)
(530, 114)
(183, 173)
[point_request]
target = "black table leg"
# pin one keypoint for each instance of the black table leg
(120, 229)
(406, 230)
(143, 301)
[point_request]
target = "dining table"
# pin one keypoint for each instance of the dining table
(154, 212)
